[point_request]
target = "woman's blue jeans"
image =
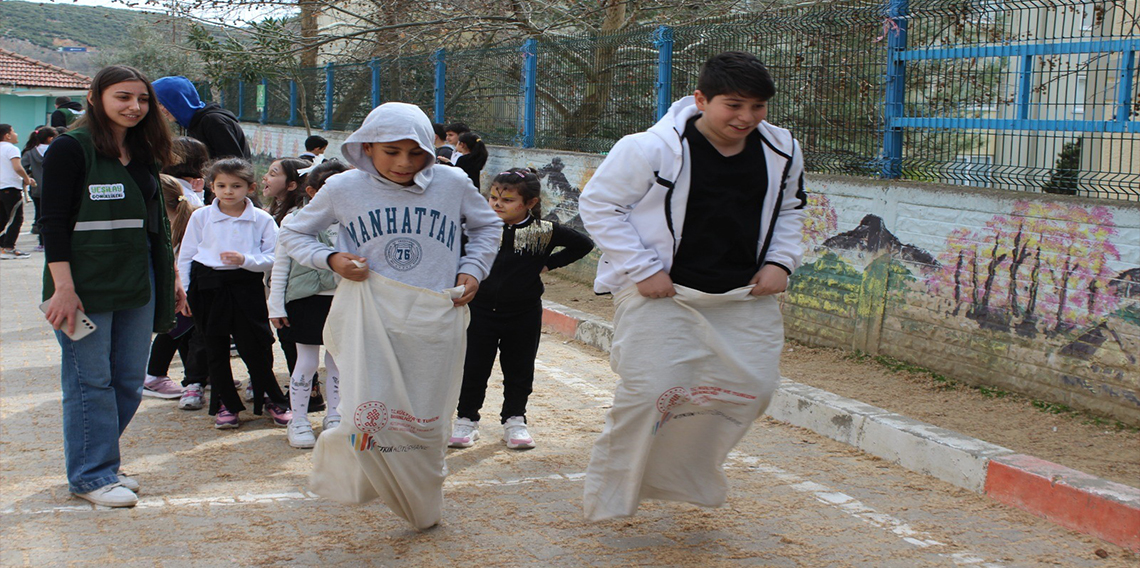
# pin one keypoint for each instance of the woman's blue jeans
(102, 377)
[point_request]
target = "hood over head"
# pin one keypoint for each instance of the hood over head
(179, 96)
(391, 122)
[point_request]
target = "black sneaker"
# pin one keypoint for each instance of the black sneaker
(316, 400)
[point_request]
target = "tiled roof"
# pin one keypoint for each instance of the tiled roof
(20, 71)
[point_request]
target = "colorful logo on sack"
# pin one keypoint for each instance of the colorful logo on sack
(370, 417)
(669, 400)
(362, 442)
(403, 254)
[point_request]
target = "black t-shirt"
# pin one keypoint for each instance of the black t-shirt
(722, 219)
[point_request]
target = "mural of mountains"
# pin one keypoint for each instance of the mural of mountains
(872, 236)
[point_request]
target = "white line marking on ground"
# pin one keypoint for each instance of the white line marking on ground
(570, 380)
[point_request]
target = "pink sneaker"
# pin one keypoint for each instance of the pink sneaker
(226, 420)
(161, 387)
(280, 415)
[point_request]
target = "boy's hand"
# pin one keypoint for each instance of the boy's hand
(342, 263)
(770, 280)
(660, 285)
(181, 306)
(470, 286)
(279, 323)
(232, 258)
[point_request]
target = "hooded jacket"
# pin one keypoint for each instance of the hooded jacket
(412, 234)
(210, 124)
(634, 205)
(66, 114)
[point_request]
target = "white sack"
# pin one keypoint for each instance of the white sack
(696, 370)
(400, 351)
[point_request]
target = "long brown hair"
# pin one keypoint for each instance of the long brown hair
(149, 139)
(292, 199)
(178, 209)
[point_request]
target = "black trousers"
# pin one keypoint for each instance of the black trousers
(11, 215)
(515, 337)
(231, 303)
(190, 348)
(36, 220)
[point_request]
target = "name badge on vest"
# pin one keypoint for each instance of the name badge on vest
(103, 192)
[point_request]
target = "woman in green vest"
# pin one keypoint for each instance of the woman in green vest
(108, 252)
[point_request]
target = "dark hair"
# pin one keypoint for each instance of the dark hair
(190, 156)
(323, 171)
(236, 167)
(476, 149)
(39, 136)
(62, 100)
(440, 130)
(523, 181)
(456, 127)
(736, 73)
(292, 199)
(5, 129)
(314, 142)
(149, 139)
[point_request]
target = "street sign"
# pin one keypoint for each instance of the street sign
(73, 49)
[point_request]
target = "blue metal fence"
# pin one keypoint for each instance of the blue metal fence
(974, 93)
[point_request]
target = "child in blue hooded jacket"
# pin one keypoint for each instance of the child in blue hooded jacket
(209, 123)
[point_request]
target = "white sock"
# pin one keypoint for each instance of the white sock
(332, 385)
(301, 382)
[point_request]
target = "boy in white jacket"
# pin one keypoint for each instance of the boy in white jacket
(699, 220)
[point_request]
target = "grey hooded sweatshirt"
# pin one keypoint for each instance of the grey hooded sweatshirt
(411, 234)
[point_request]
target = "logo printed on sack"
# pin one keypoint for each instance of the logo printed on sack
(672, 398)
(361, 442)
(371, 417)
(403, 254)
(106, 191)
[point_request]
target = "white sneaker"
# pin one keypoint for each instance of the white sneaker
(191, 398)
(463, 433)
(516, 435)
(301, 434)
(249, 392)
(129, 483)
(113, 495)
(330, 422)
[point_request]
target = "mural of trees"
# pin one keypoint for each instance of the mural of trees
(1042, 267)
(821, 220)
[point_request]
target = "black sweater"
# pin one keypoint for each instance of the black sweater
(514, 283)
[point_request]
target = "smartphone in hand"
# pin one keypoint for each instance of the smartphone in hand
(83, 324)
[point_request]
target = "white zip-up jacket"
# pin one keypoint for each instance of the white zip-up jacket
(634, 205)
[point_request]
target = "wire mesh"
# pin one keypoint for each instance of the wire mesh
(828, 65)
(277, 101)
(352, 95)
(1065, 89)
(484, 91)
(310, 98)
(592, 91)
(409, 79)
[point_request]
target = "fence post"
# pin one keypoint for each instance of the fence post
(663, 40)
(329, 94)
(530, 90)
(1124, 85)
(374, 64)
(241, 98)
(292, 102)
(440, 82)
(264, 118)
(895, 94)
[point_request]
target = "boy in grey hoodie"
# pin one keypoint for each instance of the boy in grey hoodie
(399, 214)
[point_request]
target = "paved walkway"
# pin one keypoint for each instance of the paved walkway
(214, 498)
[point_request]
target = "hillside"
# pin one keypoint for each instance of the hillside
(51, 25)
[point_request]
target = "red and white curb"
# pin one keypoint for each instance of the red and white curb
(1070, 498)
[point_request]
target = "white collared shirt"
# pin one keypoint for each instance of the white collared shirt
(210, 232)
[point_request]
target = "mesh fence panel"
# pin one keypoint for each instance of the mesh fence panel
(828, 65)
(352, 95)
(593, 91)
(1063, 87)
(409, 79)
(311, 98)
(277, 101)
(484, 90)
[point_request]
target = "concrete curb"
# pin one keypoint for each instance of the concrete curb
(1070, 498)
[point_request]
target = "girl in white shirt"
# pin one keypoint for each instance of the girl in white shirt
(225, 254)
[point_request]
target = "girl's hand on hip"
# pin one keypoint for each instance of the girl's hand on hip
(342, 264)
(279, 323)
(231, 258)
(181, 306)
(771, 279)
(660, 285)
(61, 310)
(470, 287)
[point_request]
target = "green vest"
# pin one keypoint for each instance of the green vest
(110, 239)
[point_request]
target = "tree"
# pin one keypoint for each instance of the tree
(1065, 177)
(154, 52)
